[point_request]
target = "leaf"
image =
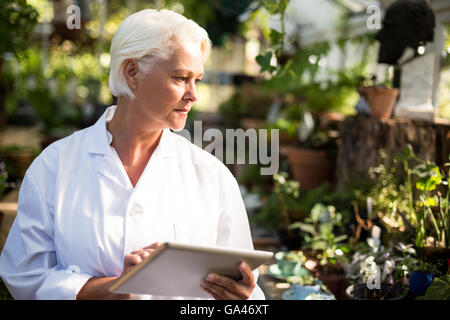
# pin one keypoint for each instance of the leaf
(303, 227)
(428, 175)
(438, 290)
(264, 62)
(405, 154)
(340, 238)
(275, 37)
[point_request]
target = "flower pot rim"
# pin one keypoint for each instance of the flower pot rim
(349, 290)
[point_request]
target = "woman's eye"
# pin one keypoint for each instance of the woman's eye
(181, 78)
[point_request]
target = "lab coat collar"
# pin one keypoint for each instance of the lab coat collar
(108, 165)
(99, 142)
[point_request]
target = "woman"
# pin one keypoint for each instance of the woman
(96, 203)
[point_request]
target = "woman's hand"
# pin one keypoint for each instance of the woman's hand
(138, 255)
(225, 288)
(97, 288)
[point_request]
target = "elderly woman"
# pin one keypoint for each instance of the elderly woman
(96, 203)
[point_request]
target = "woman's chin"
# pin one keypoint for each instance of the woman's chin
(178, 126)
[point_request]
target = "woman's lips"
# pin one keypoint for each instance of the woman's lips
(182, 111)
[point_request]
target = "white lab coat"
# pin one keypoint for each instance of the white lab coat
(78, 213)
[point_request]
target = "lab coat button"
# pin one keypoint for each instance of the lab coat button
(136, 209)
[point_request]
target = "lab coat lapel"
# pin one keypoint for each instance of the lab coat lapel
(159, 164)
(110, 167)
(107, 163)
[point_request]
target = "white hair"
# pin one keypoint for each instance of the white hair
(149, 35)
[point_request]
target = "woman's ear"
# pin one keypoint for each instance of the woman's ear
(130, 70)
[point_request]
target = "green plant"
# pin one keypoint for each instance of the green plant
(431, 267)
(408, 194)
(319, 229)
(388, 264)
(247, 101)
(277, 38)
(17, 20)
(276, 210)
(427, 177)
(287, 192)
(302, 280)
(438, 290)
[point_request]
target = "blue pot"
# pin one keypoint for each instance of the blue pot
(419, 282)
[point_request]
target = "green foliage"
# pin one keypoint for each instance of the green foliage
(298, 77)
(408, 192)
(392, 262)
(264, 60)
(248, 101)
(277, 38)
(251, 176)
(427, 266)
(276, 211)
(428, 175)
(220, 18)
(56, 113)
(438, 290)
(17, 20)
(320, 226)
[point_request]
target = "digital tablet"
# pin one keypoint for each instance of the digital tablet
(176, 269)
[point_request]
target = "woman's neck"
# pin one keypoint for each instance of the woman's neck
(133, 139)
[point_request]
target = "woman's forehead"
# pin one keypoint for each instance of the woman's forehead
(186, 58)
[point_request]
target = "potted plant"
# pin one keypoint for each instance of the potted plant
(380, 98)
(279, 207)
(422, 275)
(379, 272)
(322, 233)
(312, 155)
(290, 262)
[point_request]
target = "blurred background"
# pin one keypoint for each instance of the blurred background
(304, 67)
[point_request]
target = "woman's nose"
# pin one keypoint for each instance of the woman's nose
(191, 91)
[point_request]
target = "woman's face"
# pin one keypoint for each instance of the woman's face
(167, 92)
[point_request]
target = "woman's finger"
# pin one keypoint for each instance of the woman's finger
(130, 261)
(155, 245)
(247, 275)
(227, 283)
(211, 292)
(220, 292)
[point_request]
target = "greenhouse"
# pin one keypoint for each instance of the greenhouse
(225, 150)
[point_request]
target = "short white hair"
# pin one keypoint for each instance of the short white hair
(151, 34)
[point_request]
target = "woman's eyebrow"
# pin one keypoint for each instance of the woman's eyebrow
(187, 71)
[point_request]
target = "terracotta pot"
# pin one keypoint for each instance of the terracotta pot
(311, 168)
(381, 100)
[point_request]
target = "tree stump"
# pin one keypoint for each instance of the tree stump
(362, 137)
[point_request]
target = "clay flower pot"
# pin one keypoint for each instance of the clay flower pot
(311, 168)
(381, 100)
